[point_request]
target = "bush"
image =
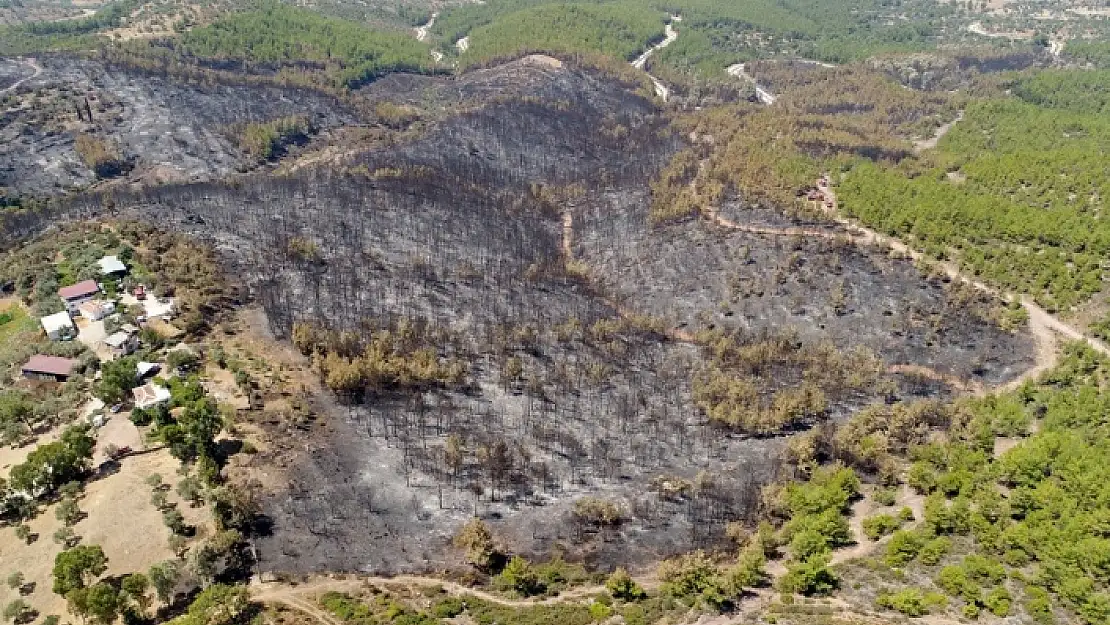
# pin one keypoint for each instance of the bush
(811, 577)
(597, 511)
(885, 496)
(476, 539)
(519, 576)
(621, 586)
(448, 607)
(998, 601)
(880, 525)
(100, 155)
(903, 547)
(934, 550)
(908, 601)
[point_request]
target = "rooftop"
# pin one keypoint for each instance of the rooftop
(53, 365)
(81, 289)
(150, 395)
(117, 340)
(111, 264)
(57, 321)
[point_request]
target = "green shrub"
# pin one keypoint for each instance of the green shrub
(908, 601)
(448, 607)
(880, 525)
(621, 586)
(998, 601)
(885, 496)
(934, 549)
(903, 547)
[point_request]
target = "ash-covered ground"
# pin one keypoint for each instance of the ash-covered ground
(168, 130)
(461, 231)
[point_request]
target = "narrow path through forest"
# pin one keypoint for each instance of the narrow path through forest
(931, 142)
(34, 64)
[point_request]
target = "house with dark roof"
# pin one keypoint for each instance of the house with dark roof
(78, 294)
(49, 368)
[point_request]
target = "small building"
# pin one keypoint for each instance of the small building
(112, 266)
(50, 368)
(122, 343)
(59, 326)
(150, 395)
(95, 310)
(147, 369)
(78, 294)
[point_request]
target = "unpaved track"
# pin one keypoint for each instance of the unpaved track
(1043, 325)
(422, 30)
(931, 142)
(740, 71)
(661, 90)
(15, 85)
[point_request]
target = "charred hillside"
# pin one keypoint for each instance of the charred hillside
(506, 333)
(158, 127)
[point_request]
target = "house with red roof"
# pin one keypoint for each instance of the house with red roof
(78, 294)
(49, 368)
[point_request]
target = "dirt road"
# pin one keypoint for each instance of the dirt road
(15, 85)
(1042, 325)
(931, 142)
(422, 30)
(739, 71)
(671, 34)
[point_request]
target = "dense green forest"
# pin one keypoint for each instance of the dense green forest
(1012, 529)
(1014, 194)
(1095, 52)
(621, 29)
(277, 33)
(715, 33)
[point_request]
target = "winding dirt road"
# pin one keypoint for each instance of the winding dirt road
(740, 71)
(1042, 325)
(422, 30)
(34, 64)
(671, 34)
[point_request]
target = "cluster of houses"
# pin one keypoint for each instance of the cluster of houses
(82, 300)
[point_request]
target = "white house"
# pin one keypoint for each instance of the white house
(150, 395)
(59, 326)
(111, 266)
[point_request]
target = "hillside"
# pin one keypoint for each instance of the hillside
(530, 312)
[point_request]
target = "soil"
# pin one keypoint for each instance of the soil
(120, 518)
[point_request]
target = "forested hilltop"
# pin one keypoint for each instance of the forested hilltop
(590, 312)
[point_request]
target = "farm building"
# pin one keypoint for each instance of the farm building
(122, 343)
(59, 326)
(52, 368)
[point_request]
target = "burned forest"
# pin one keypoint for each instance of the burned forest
(504, 333)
